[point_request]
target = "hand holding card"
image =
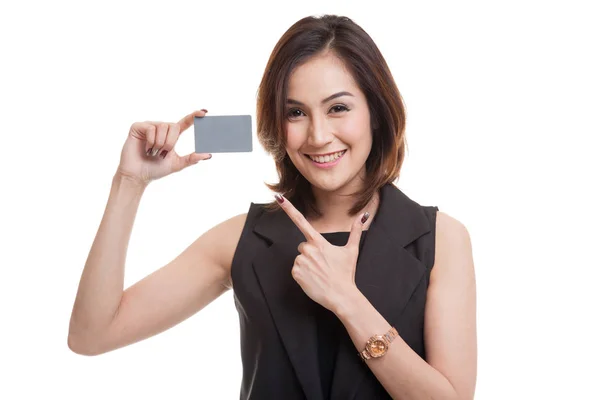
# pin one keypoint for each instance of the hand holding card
(149, 151)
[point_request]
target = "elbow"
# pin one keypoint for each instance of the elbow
(84, 340)
(84, 347)
(77, 347)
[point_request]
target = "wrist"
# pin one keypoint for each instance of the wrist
(127, 188)
(127, 181)
(349, 303)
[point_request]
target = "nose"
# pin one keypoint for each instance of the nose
(319, 134)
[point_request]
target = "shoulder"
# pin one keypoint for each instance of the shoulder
(453, 250)
(231, 227)
(449, 228)
(220, 242)
(234, 226)
(225, 237)
(229, 234)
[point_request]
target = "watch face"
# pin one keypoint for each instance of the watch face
(377, 347)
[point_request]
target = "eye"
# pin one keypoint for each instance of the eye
(339, 108)
(294, 113)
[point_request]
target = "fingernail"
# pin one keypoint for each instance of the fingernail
(279, 198)
(209, 157)
(149, 151)
(204, 110)
(163, 153)
(154, 152)
(364, 218)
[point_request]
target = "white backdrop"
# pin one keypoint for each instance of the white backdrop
(503, 118)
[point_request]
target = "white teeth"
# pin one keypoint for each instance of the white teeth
(327, 158)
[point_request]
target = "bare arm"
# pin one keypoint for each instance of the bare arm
(450, 327)
(105, 317)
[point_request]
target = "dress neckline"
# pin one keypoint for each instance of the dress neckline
(340, 233)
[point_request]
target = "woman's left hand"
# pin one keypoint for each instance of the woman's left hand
(324, 271)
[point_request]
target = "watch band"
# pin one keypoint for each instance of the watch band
(387, 338)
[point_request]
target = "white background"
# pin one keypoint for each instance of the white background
(503, 117)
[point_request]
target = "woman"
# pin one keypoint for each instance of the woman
(346, 288)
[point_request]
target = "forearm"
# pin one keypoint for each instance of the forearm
(101, 285)
(401, 371)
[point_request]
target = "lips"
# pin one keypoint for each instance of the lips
(327, 158)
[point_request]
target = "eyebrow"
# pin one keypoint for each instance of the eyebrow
(325, 100)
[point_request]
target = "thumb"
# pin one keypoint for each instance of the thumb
(191, 159)
(356, 232)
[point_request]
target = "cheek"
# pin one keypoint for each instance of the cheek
(295, 136)
(356, 129)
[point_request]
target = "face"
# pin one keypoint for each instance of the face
(328, 125)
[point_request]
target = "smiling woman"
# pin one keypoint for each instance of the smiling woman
(332, 117)
(345, 287)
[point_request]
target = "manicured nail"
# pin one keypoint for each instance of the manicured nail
(163, 153)
(154, 152)
(204, 110)
(279, 198)
(149, 151)
(364, 218)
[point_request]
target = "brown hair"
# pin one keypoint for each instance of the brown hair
(355, 48)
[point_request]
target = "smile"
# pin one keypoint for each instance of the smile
(328, 160)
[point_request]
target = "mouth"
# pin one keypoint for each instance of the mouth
(322, 159)
(326, 161)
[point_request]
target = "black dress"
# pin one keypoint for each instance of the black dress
(291, 349)
(329, 328)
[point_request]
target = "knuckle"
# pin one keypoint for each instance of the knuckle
(160, 141)
(295, 273)
(151, 132)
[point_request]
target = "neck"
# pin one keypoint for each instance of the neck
(334, 206)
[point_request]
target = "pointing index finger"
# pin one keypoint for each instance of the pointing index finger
(298, 219)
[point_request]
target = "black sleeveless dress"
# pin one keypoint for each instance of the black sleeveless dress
(293, 348)
(329, 327)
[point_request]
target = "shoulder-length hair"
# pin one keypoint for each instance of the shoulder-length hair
(355, 48)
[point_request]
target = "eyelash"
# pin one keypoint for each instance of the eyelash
(344, 108)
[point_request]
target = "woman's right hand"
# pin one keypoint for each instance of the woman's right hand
(148, 153)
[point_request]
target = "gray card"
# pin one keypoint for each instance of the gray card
(223, 134)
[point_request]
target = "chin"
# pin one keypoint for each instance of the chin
(325, 186)
(329, 184)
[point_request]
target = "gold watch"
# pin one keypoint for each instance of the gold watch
(378, 345)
